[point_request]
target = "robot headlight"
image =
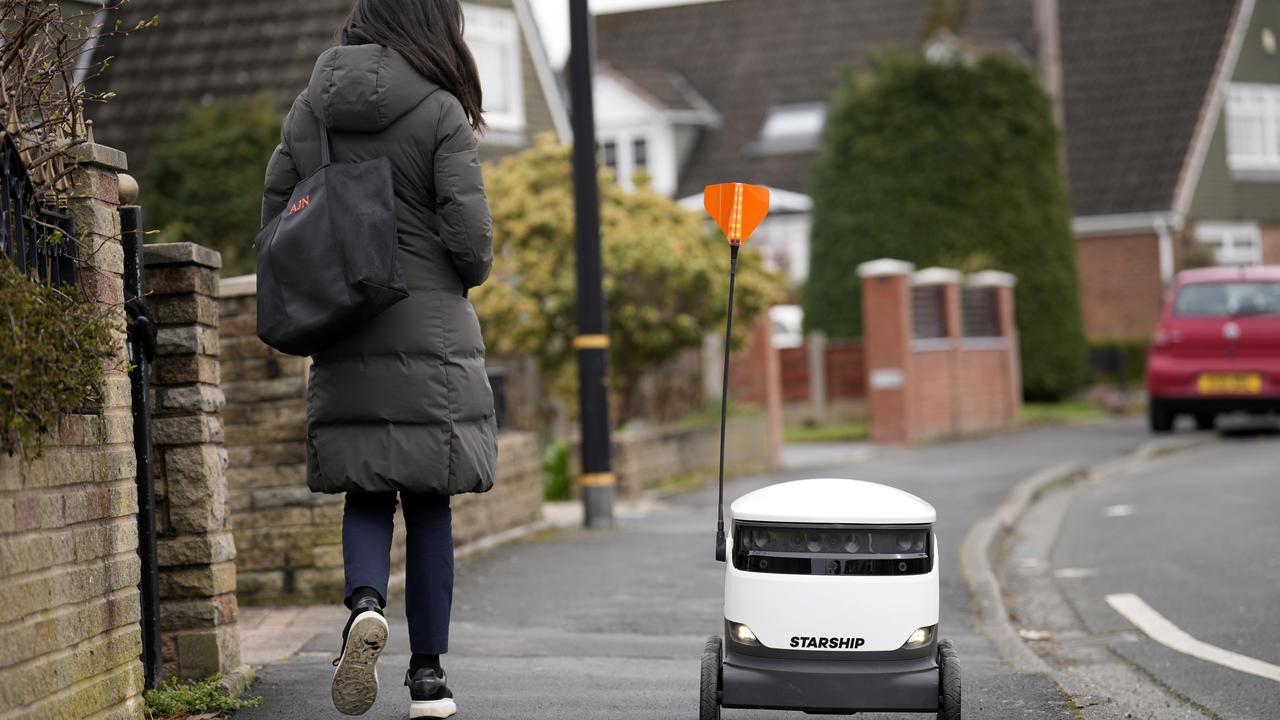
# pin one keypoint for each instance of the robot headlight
(919, 638)
(832, 549)
(742, 634)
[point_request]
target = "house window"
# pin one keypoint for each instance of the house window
(640, 154)
(1253, 127)
(609, 149)
(1232, 243)
(494, 38)
(792, 128)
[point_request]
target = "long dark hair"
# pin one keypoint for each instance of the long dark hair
(428, 34)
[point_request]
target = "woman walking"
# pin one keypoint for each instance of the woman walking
(402, 407)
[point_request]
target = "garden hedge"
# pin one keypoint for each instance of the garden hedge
(953, 163)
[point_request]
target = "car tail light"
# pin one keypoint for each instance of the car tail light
(833, 549)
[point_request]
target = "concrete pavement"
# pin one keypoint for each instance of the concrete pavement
(570, 624)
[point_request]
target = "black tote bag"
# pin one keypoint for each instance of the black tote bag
(327, 264)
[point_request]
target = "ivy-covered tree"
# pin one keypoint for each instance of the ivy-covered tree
(665, 274)
(203, 180)
(943, 163)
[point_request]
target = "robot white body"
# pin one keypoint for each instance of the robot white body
(831, 602)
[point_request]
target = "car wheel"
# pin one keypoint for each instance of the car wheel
(1205, 421)
(948, 682)
(709, 700)
(1160, 417)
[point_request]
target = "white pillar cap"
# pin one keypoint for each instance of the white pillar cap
(992, 278)
(937, 276)
(885, 267)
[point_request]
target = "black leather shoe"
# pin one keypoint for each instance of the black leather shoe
(355, 681)
(429, 694)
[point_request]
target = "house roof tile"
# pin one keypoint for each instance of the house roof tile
(1136, 74)
(746, 56)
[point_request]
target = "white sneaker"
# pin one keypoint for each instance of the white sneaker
(355, 682)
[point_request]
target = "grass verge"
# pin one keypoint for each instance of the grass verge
(1068, 412)
(838, 432)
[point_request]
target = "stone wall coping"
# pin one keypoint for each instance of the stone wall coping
(238, 286)
(992, 278)
(180, 253)
(937, 276)
(885, 267)
(101, 156)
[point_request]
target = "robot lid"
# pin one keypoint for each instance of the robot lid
(833, 500)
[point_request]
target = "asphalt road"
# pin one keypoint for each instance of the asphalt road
(1196, 537)
(610, 625)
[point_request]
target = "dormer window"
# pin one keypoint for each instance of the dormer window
(493, 35)
(792, 128)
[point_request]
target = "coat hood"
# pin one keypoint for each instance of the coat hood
(365, 88)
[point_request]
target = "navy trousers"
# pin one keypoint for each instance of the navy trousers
(367, 524)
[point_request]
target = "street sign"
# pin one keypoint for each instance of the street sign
(737, 208)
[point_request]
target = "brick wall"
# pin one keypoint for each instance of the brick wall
(289, 540)
(195, 549)
(1120, 286)
(69, 568)
(927, 388)
(1271, 243)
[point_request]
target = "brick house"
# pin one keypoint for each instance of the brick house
(202, 52)
(1173, 139)
(1170, 111)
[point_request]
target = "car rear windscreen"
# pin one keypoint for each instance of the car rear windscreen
(1228, 299)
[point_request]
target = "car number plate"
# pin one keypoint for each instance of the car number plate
(1230, 384)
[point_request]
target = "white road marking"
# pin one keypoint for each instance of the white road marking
(1117, 511)
(1158, 628)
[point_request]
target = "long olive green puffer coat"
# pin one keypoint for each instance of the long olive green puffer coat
(404, 403)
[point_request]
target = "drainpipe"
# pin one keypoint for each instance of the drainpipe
(1165, 240)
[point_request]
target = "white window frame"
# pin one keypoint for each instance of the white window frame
(499, 26)
(1233, 243)
(791, 128)
(1261, 101)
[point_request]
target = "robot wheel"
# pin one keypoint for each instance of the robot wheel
(709, 700)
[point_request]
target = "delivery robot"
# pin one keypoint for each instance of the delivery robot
(831, 585)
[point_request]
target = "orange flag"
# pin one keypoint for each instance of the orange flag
(737, 208)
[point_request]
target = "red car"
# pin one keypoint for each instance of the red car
(1217, 349)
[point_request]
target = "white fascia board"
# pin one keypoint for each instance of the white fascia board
(779, 201)
(1120, 223)
(1211, 109)
(542, 67)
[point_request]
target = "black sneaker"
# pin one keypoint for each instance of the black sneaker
(355, 682)
(429, 694)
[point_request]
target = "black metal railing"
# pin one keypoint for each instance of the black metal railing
(39, 239)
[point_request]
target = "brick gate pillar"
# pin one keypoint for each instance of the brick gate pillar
(886, 332)
(196, 552)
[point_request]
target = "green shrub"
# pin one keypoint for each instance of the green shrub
(203, 180)
(175, 699)
(53, 346)
(935, 162)
(555, 471)
(665, 278)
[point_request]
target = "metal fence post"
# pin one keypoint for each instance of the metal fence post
(132, 236)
